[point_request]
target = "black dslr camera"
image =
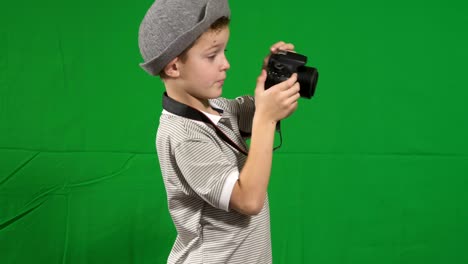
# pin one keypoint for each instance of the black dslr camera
(283, 64)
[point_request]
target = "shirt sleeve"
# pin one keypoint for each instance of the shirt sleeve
(227, 190)
(207, 171)
(245, 113)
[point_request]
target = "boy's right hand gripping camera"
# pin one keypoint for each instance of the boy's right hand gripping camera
(283, 64)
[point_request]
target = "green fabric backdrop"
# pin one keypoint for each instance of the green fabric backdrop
(373, 169)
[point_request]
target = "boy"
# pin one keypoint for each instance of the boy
(216, 188)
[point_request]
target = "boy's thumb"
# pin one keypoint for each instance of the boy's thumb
(261, 80)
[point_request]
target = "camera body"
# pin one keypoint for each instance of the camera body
(283, 64)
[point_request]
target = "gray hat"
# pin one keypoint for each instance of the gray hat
(170, 26)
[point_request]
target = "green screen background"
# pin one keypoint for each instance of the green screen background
(373, 169)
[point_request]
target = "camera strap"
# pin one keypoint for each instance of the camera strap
(278, 128)
(186, 111)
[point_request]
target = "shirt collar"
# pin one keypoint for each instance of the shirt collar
(172, 106)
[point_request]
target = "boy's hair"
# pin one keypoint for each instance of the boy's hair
(171, 26)
(218, 25)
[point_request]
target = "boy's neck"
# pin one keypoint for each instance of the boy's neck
(197, 103)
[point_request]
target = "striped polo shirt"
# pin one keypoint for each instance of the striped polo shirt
(199, 170)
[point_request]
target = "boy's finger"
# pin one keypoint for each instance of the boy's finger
(276, 46)
(293, 99)
(288, 83)
(282, 46)
(293, 90)
(287, 46)
(291, 81)
(261, 80)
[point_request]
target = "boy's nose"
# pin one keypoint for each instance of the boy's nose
(225, 66)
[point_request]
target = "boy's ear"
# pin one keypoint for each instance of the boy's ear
(172, 68)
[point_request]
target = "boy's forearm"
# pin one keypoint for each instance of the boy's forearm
(253, 180)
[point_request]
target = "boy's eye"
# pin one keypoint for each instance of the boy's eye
(213, 56)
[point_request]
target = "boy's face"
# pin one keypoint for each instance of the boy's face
(204, 70)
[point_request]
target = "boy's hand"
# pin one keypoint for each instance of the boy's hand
(277, 102)
(281, 45)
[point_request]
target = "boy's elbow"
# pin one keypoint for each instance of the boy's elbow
(247, 202)
(255, 210)
(252, 207)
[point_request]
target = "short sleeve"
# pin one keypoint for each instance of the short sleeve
(245, 114)
(207, 171)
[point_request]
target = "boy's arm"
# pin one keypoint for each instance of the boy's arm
(278, 102)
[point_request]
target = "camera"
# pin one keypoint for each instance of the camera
(283, 64)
